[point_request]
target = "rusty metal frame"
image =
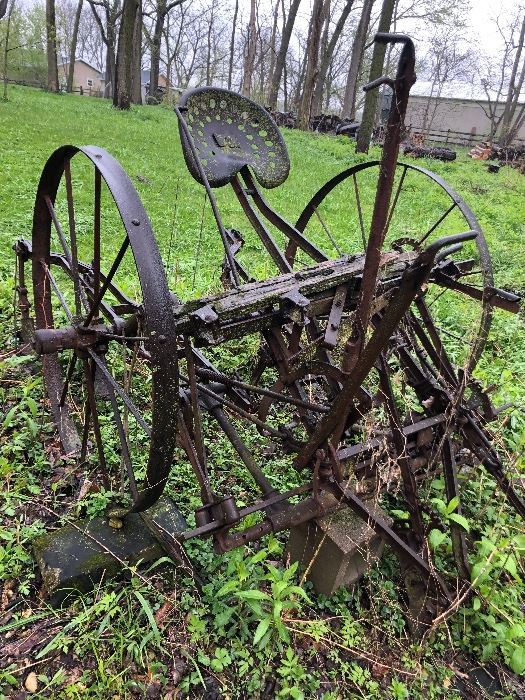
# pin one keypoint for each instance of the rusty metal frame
(384, 292)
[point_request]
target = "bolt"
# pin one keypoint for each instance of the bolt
(115, 523)
(135, 222)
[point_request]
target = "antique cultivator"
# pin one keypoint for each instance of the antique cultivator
(350, 370)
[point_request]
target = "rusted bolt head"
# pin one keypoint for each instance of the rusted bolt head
(115, 523)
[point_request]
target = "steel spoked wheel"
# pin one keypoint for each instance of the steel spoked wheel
(102, 316)
(460, 313)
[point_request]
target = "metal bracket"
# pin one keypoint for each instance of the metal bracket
(294, 306)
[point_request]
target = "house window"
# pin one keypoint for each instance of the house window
(89, 82)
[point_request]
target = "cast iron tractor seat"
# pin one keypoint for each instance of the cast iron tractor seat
(230, 132)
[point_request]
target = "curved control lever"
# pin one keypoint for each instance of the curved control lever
(407, 60)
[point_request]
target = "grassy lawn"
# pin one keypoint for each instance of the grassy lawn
(152, 633)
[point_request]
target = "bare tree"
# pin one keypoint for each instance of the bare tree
(312, 63)
(273, 39)
(502, 80)
(281, 55)
(123, 88)
(251, 46)
(327, 52)
(162, 9)
(232, 45)
(73, 47)
(446, 60)
(511, 120)
(378, 58)
(6, 40)
(356, 60)
(108, 24)
(51, 33)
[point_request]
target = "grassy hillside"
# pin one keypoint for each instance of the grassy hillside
(153, 634)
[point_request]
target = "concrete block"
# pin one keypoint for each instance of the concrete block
(336, 550)
(78, 556)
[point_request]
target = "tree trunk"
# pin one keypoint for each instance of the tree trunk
(108, 34)
(209, 46)
(162, 9)
(6, 41)
(123, 88)
(300, 82)
(109, 76)
(281, 56)
(514, 90)
(155, 47)
(285, 87)
(249, 60)
(378, 57)
(3, 9)
(312, 62)
(515, 127)
(136, 91)
(232, 45)
(328, 53)
(51, 38)
(323, 48)
(273, 37)
(73, 48)
(348, 111)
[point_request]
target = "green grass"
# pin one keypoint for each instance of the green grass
(156, 633)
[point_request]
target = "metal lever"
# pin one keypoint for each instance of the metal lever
(383, 80)
(388, 38)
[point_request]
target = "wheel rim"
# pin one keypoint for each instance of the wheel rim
(449, 205)
(155, 302)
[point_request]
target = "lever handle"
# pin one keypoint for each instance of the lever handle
(383, 80)
(392, 38)
(389, 38)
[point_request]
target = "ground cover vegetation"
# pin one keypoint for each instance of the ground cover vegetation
(255, 629)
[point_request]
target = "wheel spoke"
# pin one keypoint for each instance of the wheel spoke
(89, 374)
(124, 447)
(107, 282)
(57, 291)
(394, 202)
(328, 232)
(439, 221)
(118, 389)
(96, 234)
(197, 423)
(69, 375)
(359, 211)
(85, 431)
(58, 229)
(72, 234)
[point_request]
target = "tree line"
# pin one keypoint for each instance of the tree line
(305, 56)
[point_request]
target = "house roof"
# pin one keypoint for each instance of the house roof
(456, 90)
(144, 77)
(89, 65)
